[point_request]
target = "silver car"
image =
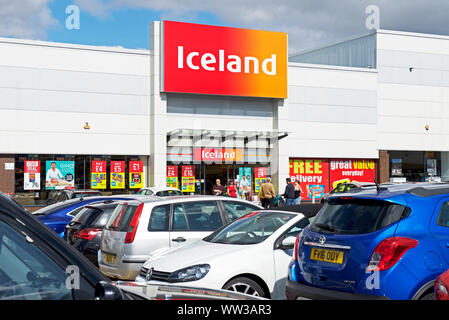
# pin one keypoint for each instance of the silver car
(139, 227)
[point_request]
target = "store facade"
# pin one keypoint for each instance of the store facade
(210, 103)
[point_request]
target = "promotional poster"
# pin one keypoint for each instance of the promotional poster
(117, 174)
(172, 177)
(136, 174)
(98, 180)
(60, 175)
(32, 175)
(188, 179)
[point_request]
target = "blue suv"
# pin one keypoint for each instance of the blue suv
(382, 243)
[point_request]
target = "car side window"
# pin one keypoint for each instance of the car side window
(149, 193)
(159, 218)
(179, 219)
(26, 272)
(443, 216)
(203, 215)
(235, 209)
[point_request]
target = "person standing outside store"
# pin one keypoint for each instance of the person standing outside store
(267, 194)
(232, 191)
(218, 189)
(298, 192)
(289, 193)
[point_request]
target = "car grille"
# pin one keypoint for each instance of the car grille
(156, 275)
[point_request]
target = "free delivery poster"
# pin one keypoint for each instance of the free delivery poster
(59, 175)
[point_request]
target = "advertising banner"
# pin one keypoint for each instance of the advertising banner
(260, 175)
(348, 170)
(60, 175)
(318, 176)
(244, 180)
(32, 175)
(188, 179)
(98, 175)
(206, 59)
(172, 177)
(136, 175)
(117, 174)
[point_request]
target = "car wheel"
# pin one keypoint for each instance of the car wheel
(429, 296)
(245, 285)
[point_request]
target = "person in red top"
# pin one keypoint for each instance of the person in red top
(232, 191)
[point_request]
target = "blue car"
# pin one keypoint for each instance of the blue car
(58, 215)
(382, 243)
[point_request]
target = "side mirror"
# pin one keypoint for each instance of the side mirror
(287, 243)
(107, 291)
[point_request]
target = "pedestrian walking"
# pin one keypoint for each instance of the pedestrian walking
(298, 192)
(289, 193)
(267, 194)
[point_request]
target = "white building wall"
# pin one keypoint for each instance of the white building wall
(48, 91)
(413, 91)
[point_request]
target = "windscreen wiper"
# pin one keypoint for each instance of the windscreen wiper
(325, 227)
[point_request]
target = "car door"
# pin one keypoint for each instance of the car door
(283, 256)
(439, 226)
(156, 233)
(194, 220)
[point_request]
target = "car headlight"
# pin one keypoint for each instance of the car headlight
(192, 273)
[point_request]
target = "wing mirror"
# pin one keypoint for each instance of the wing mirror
(287, 243)
(107, 291)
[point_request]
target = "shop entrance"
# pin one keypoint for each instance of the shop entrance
(224, 172)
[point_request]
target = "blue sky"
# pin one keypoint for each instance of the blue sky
(124, 27)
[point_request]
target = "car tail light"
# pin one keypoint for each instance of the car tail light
(86, 234)
(295, 248)
(442, 287)
(129, 238)
(389, 251)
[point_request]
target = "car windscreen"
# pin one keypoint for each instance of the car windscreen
(250, 229)
(356, 216)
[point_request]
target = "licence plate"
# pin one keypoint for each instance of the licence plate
(332, 256)
(107, 258)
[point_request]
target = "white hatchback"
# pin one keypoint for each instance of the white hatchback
(250, 255)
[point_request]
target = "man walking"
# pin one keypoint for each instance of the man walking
(267, 194)
(289, 193)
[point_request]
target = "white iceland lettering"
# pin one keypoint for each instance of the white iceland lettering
(232, 63)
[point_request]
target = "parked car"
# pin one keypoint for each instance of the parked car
(347, 187)
(84, 231)
(389, 243)
(249, 255)
(34, 262)
(139, 227)
(63, 195)
(58, 215)
(160, 191)
(442, 286)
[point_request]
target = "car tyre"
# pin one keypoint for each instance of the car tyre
(245, 285)
(429, 296)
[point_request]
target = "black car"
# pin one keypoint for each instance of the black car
(36, 264)
(63, 195)
(84, 231)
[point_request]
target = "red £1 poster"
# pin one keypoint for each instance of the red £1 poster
(135, 174)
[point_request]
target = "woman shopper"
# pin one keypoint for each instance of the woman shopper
(232, 191)
(298, 192)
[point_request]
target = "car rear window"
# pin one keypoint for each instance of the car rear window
(103, 218)
(357, 216)
(87, 215)
(121, 217)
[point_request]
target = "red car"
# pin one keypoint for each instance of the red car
(442, 286)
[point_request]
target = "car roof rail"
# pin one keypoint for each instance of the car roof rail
(429, 192)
